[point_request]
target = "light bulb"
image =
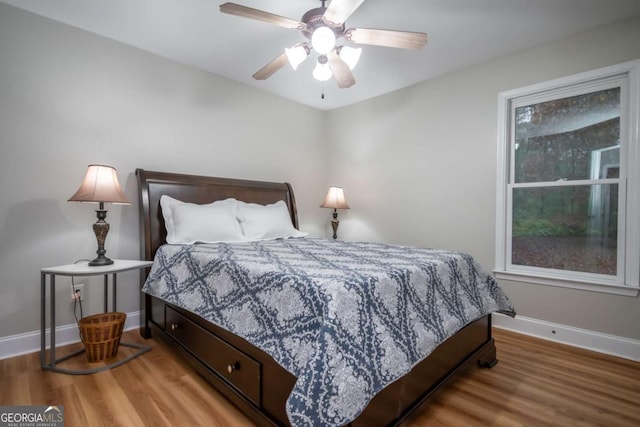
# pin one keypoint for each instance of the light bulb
(350, 56)
(322, 71)
(296, 55)
(323, 40)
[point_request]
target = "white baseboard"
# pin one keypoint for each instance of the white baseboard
(29, 342)
(603, 343)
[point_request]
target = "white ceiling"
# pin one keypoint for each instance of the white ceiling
(460, 33)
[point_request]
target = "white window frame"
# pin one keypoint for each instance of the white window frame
(627, 281)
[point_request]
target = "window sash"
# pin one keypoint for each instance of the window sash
(617, 279)
(611, 82)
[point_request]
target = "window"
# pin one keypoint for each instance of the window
(568, 211)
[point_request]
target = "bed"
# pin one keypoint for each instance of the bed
(249, 376)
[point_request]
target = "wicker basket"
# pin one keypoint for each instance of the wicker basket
(101, 334)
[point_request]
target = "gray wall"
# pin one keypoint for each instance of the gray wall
(419, 167)
(69, 98)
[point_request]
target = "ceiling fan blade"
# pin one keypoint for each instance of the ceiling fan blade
(340, 70)
(340, 10)
(248, 12)
(273, 66)
(388, 38)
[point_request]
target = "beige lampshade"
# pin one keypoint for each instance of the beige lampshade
(100, 185)
(335, 199)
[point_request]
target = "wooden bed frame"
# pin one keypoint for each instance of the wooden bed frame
(247, 376)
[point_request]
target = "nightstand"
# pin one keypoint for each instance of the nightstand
(79, 270)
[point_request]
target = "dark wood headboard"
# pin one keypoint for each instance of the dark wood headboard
(200, 190)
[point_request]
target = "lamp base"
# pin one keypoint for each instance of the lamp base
(100, 261)
(101, 228)
(335, 223)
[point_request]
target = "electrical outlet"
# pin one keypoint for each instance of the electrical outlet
(77, 292)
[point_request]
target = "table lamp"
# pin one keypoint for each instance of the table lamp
(335, 199)
(101, 186)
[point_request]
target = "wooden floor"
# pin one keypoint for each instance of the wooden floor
(536, 383)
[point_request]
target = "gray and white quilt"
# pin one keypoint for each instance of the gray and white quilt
(345, 318)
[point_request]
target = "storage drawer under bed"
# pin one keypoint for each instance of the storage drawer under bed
(235, 367)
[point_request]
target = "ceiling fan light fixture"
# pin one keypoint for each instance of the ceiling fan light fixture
(322, 71)
(322, 26)
(323, 40)
(350, 56)
(296, 55)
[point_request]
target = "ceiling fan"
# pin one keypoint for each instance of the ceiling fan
(322, 26)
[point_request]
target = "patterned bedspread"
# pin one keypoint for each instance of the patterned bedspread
(345, 318)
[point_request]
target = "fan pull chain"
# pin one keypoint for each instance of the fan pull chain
(322, 93)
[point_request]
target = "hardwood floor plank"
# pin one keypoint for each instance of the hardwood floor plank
(536, 383)
(534, 386)
(134, 389)
(75, 403)
(578, 393)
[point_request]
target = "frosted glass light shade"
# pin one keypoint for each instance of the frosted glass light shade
(322, 72)
(350, 56)
(323, 40)
(100, 184)
(296, 55)
(335, 199)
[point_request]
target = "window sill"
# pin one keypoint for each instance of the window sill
(607, 288)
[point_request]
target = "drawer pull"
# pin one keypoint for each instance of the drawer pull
(233, 367)
(174, 326)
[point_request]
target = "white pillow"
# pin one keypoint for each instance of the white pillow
(190, 222)
(264, 222)
(206, 224)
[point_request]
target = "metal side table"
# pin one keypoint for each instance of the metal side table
(77, 270)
